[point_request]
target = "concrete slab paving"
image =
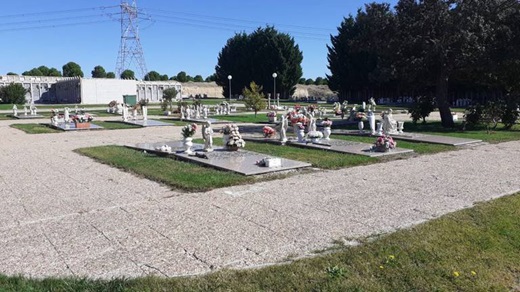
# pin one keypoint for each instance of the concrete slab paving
(55, 221)
(147, 123)
(416, 137)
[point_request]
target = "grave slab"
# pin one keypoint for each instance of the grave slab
(416, 137)
(72, 127)
(349, 147)
(241, 161)
(147, 123)
(202, 121)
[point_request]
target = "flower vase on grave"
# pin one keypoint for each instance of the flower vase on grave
(379, 129)
(326, 133)
(400, 127)
(225, 138)
(187, 142)
(300, 135)
(361, 125)
(145, 112)
(372, 124)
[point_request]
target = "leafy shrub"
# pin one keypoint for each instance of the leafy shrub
(473, 115)
(422, 108)
(13, 93)
(493, 112)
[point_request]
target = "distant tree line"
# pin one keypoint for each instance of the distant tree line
(72, 69)
(444, 49)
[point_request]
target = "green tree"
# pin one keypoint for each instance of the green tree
(168, 96)
(255, 57)
(99, 72)
(253, 97)
(111, 75)
(182, 77)
(319, 81)
(309, 81)
(164, 77)
(13, 93)
(211, 78)
(33, 72)
(44, 69)
(127, 74)
(152, 76)
(451, 36)
(12, 73)
(72, 69)
(357, 53)
(198, 78)
(54, 72)
(301, 80)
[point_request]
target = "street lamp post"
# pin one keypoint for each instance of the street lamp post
(229, 78)
(274, 88)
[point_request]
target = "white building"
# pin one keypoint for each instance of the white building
(88, 90)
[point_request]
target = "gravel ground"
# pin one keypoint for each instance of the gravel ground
(65, 215)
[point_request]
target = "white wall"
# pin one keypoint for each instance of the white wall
(103, 91)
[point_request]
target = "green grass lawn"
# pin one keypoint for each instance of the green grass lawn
(470, 250)
(35, 128)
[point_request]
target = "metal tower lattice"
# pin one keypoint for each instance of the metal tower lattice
(130, 49)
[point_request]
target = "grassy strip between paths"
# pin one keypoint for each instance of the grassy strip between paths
(178, 174)
(34, 128)
(470, 250)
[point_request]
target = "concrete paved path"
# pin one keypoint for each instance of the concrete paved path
(63, 214)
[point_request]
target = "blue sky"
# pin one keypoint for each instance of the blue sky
(180, 35)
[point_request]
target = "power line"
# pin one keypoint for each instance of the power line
(50, 19)
(233, 29)
(55, 25)
(240, 20)
(57, 12)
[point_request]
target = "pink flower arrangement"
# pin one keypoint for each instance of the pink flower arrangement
(384, 143)
(86, 118)
(271, 114)
(296, 117)
(189, 130)
(268, 131)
